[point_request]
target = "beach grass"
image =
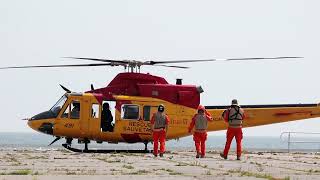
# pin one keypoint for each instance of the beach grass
(128, 166)
(256, 175)
(18, 172)
(139, 172)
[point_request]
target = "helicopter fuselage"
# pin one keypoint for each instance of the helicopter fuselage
(135, 97)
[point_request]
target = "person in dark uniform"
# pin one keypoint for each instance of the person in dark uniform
(106, 118)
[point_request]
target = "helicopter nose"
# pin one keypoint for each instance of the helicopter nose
(41, 125)
(32, 125)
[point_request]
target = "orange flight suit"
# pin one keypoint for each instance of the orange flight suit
(199, 121)
(233, 131)
(159, 131)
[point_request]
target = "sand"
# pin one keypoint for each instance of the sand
(61, 164)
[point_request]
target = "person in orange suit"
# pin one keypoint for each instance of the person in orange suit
(234, 117)
(200, 123)
(159, 126)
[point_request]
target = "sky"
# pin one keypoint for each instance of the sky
(42, 32)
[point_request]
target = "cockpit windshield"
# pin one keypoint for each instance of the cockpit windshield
(57, 107)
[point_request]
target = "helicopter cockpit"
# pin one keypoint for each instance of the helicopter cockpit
(53, 112)
(57, 107)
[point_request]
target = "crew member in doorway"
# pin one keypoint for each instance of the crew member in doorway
(200, 123)
(159, 126)
(106, 118)
(234, 117)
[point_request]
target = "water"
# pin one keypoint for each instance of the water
(38, 140)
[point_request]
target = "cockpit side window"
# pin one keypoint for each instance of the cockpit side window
(75, 110)
(72, 111)
(65, 114)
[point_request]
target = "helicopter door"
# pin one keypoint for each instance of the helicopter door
(94, 119)
(68, 123)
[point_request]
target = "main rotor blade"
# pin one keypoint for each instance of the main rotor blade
(67, 65)
(109, 62)
(176, 61)
(124, 62)
(208, 60)
(267, 58)
(100, 60)
(181, 67)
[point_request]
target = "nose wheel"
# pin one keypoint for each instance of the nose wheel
(86, 141)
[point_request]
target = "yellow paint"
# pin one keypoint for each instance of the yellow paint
(180, 118)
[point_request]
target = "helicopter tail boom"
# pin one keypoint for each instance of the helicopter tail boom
(257, 115)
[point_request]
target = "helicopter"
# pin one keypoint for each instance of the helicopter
(135, 97)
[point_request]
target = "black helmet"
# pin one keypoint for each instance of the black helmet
(234, 102)
(161, 108)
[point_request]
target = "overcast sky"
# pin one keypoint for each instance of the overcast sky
(38, 32)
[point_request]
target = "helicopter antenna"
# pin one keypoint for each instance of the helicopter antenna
(65, 89)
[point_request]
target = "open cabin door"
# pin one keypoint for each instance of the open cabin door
(101, 119)
(107, 119)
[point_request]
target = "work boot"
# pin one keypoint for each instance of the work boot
(161, 154)
(238, 158)
(222, 155)
(155, 155)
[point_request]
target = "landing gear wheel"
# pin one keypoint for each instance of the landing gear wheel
(146, 146)
(86, 141)
(69, 141)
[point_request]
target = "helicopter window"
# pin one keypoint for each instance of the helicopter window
(95, 111)
(57, 107)
(65, 114)
(148, 111)
(130, 111)
(75, 110)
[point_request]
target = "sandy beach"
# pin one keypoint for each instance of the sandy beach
(61, 164)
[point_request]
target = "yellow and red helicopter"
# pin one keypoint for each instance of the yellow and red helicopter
(135, 97)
